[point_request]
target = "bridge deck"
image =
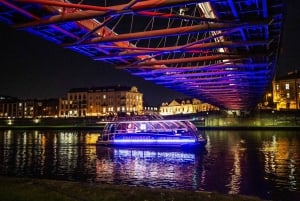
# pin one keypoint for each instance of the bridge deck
(223, 52)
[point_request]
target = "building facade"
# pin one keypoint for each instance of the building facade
(185, 106)
(101, 101)
(11, 107)
(286, 92)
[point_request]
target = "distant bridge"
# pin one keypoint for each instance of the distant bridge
(223, 52)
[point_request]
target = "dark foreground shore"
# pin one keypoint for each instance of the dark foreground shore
(28, 189)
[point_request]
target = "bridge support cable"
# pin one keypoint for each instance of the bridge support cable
(199, 48)
(98, 11)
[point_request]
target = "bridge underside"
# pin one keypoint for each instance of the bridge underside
(222, 52)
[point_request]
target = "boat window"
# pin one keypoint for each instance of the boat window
(143, 126)
(112, 128)
(157, 126)
(121, 128)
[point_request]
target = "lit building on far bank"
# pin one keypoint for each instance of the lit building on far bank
(286, 92)
(101, 101)
(151, 110)
(11, 107)
(185, 106)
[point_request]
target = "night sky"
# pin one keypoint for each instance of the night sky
(32, 67)
(36, 68)
(289, 57)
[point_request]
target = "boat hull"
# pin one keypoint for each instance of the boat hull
(152, 141)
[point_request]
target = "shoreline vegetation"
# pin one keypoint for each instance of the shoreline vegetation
(32, 189)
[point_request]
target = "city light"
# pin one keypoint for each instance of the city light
(10, 122)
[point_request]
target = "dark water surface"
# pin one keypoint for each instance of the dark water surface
(258, 163)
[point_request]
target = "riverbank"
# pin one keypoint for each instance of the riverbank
(101, 126)
(52, 127)
(29, 189)
(269, 121)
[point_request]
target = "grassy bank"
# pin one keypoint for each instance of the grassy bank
(26, 189)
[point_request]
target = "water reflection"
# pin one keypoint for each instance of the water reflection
(52, 154)
(281, 160)
(155, 168)
(260, 163)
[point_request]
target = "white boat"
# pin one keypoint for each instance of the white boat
(151, 131)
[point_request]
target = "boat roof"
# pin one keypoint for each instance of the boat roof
(145, 121)
(142, 119)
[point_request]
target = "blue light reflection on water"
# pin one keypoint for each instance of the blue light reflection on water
(260, 163)
(163, 168)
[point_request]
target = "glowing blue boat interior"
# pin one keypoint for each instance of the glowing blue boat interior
(150, 132)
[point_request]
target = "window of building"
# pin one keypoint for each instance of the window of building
(104, 96)
(287, 86)
(288, 95)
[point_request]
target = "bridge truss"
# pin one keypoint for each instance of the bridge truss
(223, 52)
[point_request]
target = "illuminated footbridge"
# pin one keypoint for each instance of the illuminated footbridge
(223, 52)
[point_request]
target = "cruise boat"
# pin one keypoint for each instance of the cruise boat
(151, 131)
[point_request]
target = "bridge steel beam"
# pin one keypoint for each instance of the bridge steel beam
(172, 32)
(135, 51)
(98, 11)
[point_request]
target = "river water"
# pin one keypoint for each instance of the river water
(265, 164)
